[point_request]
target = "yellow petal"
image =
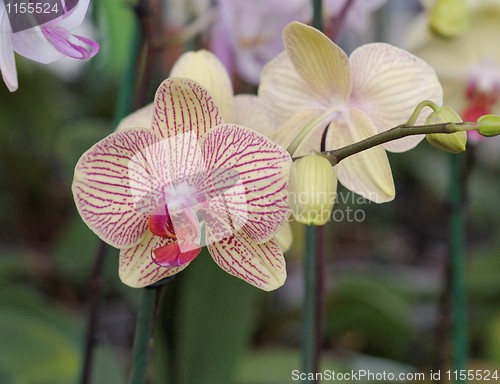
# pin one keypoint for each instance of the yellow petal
(388, 83)
(321, 63)
(142, 118)
(205, 68)
(284, 92)
(367, 173)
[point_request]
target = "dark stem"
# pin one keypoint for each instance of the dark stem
(143, 335)
(457, 264)
(93, 316)
(124, 104)
(309, 348)
(337, 155)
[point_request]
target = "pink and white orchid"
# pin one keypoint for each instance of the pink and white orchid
(247, 34)
(314, 86)
(46, 43)
(160, 193)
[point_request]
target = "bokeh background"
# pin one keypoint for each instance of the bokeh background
(387, 276)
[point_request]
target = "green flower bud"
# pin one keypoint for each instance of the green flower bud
(449, 18)
(312, 189)
(489, 125)
(450, 142)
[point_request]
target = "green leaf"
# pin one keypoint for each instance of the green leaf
(214, 321)
(39, 345)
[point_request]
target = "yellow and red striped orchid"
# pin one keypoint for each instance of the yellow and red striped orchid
(314, 86)
(159, 193)
(206, 69)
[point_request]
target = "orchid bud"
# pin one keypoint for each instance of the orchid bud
(489, 125)
(449, 18)
(450, 142)
(312, 189)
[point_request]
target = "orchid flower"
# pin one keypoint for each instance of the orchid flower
(247, 34)
(468, 65)
(314, 86)
(161, 192)
(46, 43)
(206, 69)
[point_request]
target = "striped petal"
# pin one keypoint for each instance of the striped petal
(261, 265)
(284, 92)
(205, 68)
(182, 106)
(112, 183)
(388, 83)
(320, 62)
(137, 268)
(262, 168)
(367, 173)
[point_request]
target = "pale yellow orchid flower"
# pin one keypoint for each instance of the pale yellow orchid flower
(314, 86)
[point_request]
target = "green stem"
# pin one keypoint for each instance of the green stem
(457, 255)
(143, 339)
(313, 272)
(416, 113)
(336, 155)
(309, 349)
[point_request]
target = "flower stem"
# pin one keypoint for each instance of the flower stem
(123, 106)
(457, 264)
(93, 315)
(337, 155)
(416, 113)
(143, 331)
(313, 300)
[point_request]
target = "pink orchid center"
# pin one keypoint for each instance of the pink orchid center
(479, 103)
(183, 227)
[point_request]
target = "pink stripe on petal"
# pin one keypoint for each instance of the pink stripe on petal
(104, 194)
(137, 268)
(260, 166)
(182, 105)
(261, 265)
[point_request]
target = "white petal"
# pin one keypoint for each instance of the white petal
(249, 112)
(7, 60)
(32, 44)
(388, 83)
(75, 17)
(284, 92)
(205, 68)
(137, 268)
(366, 173)
(261, 265)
